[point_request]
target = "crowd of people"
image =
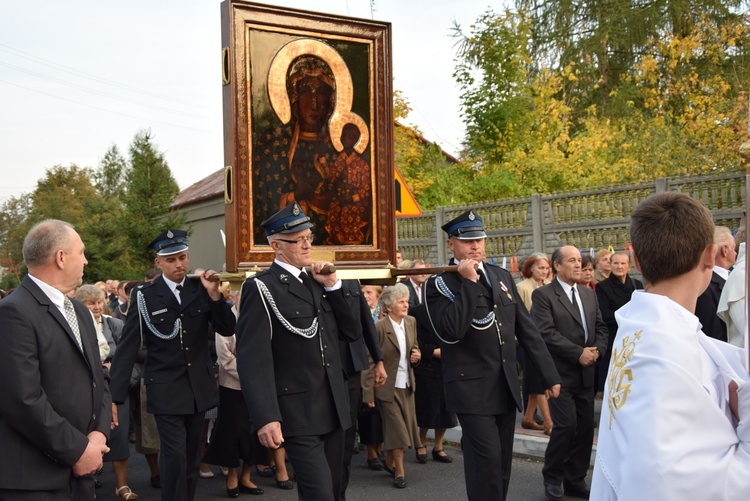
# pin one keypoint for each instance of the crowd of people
(298, 364)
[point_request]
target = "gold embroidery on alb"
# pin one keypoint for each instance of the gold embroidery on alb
(619, 376)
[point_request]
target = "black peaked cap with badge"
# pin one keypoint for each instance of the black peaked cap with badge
(170, 242)
(290, 219)
(467, 226)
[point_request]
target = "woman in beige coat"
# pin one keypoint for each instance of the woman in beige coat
(397, 333)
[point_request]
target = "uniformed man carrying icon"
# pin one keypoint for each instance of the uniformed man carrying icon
(171, 316)
(292, 316)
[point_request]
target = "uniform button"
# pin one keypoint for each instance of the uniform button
(94, 384)
(462, 374)
(319, 310)
(189, 364)
(187, 348)
(325, 347)
(296, 313)
(328, 365)
(94, 416)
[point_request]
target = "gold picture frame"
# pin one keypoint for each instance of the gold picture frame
(308, 117)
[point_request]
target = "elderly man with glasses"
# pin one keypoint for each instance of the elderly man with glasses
(292, 316)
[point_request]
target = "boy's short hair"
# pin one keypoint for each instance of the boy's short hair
(669, 232)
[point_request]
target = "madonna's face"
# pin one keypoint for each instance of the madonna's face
(313, 104)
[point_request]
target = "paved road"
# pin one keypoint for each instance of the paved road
(432, 481)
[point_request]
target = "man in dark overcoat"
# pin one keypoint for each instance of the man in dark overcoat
(55, 410)
(292, 316)
(477, 314)
(171, 316)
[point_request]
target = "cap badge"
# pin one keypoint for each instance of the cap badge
(170, 234)
(295, 210)
(472, 217)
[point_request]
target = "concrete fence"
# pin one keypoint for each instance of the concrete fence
(589, 219)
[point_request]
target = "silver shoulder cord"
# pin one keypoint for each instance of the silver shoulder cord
(269, 301)
(427, 307)
(143, 316)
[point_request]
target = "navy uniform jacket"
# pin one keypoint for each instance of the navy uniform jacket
(178, 373)
(286, 377)
(354, 353)
(53, 394)
(478, 371)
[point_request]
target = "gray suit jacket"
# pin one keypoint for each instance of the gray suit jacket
(563, 332)
(53, 394)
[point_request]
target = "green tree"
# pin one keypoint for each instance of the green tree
(14, 223)
(67, 193)
(151, 188)
(433, 178)
(111, 174)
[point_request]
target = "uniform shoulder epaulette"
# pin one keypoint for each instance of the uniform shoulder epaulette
(145, 285)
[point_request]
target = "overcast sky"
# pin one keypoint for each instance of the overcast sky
(78, 76)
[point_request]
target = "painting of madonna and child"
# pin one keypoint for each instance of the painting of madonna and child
(311, 140)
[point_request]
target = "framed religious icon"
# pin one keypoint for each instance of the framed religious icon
(308, 118)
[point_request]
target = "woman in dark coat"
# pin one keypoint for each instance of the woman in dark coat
(429, 400)
(613, 293)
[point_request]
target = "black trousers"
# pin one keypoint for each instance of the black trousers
(179, 456)
(487, 442)
(318, 462)
(80, 489)
(569, 450)
(350, 435)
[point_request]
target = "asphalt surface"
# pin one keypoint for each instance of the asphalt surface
(431, 481)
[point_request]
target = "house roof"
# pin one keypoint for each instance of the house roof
(207, 188)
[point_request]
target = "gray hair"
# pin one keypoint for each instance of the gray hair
(43, 240)
(393, 293)
(723, 235)
(89, 292)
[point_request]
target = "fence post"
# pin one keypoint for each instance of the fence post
(662, 185)
(439, 240)
(537, 222)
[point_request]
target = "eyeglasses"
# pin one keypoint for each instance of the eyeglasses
(299, 242)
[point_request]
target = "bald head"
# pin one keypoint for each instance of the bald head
(43, 240)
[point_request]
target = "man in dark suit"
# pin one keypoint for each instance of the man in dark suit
(477, 314)
(354, 361)
(55, 411)
(708, 302)
(288, 355)
(171, 316)
(414, 283)
(571, 324)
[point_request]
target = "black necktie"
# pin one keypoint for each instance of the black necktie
(179, 293)
(575, 303)
(483, 280)
(578, 313)
(308, 282)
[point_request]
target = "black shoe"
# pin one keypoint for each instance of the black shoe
(287, 484)
(441, 458)
(255, 491)
(553, 491)
(399, 482)
(375, 464)
(577, 491)
(156, 482)
(268, 472)
(422, 458)
(390, 470)
(233, 493)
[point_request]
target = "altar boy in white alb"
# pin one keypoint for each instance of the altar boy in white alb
(675, 420)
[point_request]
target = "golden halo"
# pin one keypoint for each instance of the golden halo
(342, 113)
